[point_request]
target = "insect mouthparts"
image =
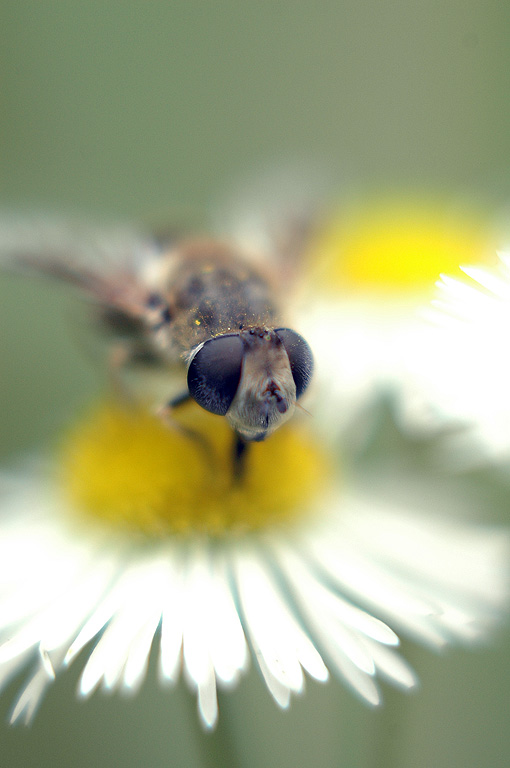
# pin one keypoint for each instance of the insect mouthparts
(273, 391)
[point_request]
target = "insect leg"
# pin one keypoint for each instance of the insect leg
(178, 400)
(239, 458)
(118, 357)
(165, 414)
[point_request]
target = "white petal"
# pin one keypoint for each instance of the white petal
(207, 701)
(489, 280)
(275, 634)
(171, 627)
(308, 587)
(279, 692)
(26, 706)
(75, 605)
(196, 653)
(132, 602)
(10, 668)
(227, 644)
(345, 650)
(392, 666)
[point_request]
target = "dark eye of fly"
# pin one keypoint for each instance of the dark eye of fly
(214, 373)
(300, 358)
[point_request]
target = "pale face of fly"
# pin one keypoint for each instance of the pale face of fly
(266, 395)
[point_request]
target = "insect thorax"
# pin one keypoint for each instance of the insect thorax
(212, 291)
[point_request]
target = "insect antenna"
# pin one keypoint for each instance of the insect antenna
(298, 405)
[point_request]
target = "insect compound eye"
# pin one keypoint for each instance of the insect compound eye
(214, 373)
(300, 358)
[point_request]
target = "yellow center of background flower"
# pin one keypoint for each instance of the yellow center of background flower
(397, 246)
(125, 467)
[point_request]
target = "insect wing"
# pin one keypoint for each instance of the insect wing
(108, 266)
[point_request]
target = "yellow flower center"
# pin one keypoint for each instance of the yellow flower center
(125, 467)
(397, 247)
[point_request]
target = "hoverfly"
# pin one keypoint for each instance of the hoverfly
(197, 303)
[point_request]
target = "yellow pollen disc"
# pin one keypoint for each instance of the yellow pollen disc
(397, 247)
(127, 468)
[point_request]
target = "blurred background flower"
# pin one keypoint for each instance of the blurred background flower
(374, 267)
(470, 327)
(123, 111)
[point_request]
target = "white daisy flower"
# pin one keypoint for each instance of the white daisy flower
(138, 541)
(131, 545)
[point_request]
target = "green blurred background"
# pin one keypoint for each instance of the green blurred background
(125, 109)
